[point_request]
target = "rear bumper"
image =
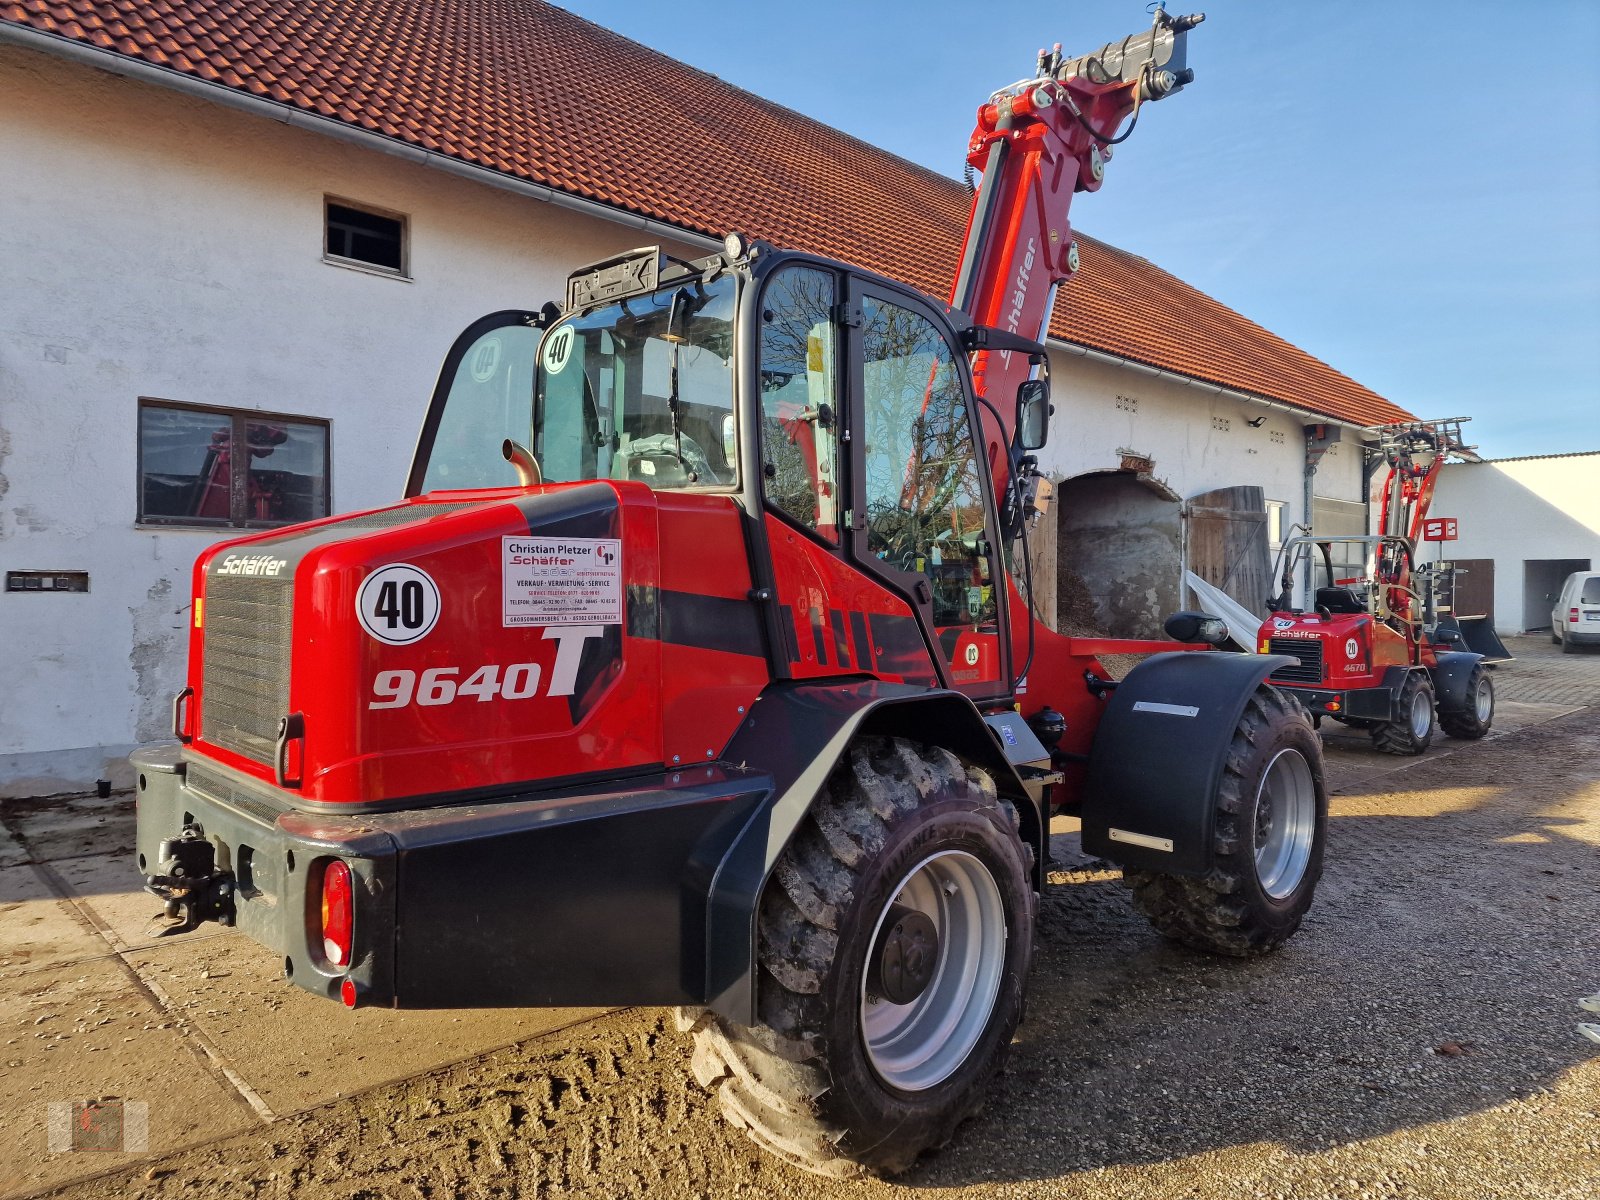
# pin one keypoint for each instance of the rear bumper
(1578, 635)
(1358, 704)
(573, 897)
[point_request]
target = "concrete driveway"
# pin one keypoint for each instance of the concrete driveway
(200, 1028)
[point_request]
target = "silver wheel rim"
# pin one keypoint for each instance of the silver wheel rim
(1483, 700)
(1421, 715)
(1285, 823)
(917, 1045)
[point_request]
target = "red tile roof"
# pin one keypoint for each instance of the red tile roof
(533, 91)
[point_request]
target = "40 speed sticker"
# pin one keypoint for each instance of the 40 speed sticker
(398, 604)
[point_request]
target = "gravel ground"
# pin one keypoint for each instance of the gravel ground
(1417, 1039)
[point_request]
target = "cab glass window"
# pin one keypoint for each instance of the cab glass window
(641, 389)
(490, 399)
(923, 492)
(799, 424)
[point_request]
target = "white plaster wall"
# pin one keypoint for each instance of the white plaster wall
(1520, 509)
(1103, 409)
(155, 245)
(1197, 439)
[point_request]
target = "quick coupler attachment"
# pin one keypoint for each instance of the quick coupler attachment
(187, 879)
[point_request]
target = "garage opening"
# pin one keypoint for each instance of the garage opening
(1541, 587)
(1120, 539)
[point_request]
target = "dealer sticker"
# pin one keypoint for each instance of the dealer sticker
(562, 581)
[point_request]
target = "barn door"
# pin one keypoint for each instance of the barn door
(1474, 588)
(1227, 543)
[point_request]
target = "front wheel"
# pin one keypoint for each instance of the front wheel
(1473, 720)
(1410, 730)
(1270, 823)
(895, 939)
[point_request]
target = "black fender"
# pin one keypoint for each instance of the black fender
(1158, 756)
(797, 733)
(1450, 679)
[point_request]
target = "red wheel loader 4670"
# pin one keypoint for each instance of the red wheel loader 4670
(696, 669)
(1370, 650)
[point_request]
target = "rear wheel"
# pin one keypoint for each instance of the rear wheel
(895, 938)
(1269, 827)
(1566, 644)
(1411, 728)
(1473, 720)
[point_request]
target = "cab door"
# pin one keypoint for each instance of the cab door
(921, 516)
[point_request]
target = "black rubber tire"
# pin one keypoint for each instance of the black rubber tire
(1227, 911)
(800, 1083)
(1395, 736)
(1464, 723)
(1567, 646)
(1555, 638)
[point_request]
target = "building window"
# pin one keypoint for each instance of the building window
(365, 238)
(223, 467)
(1276, 510)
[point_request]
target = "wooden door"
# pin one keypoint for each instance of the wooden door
(1227, 543)
(1474, 590)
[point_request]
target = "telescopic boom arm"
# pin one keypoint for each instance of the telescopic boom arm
(1415, 450)
(1037, 143)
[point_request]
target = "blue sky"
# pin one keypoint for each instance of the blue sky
(1409, 191)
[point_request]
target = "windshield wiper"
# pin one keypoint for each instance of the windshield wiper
(674, 409)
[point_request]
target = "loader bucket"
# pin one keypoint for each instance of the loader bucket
(1478, 635)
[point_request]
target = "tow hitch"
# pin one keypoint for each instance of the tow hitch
(188, 880)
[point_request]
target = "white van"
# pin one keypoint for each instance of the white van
(1575, 620)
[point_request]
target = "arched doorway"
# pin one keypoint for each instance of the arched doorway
(1120, 538)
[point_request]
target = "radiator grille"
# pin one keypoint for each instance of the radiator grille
(246, 678)
(214, 786)
(1309, 653)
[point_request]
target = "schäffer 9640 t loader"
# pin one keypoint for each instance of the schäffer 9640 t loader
(721, 690)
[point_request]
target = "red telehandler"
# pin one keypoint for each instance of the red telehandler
(1368, 650)
(720, 689)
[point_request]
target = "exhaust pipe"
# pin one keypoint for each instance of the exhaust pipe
(518, 455)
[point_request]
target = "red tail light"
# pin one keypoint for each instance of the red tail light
(1572, 615)
(338, 913)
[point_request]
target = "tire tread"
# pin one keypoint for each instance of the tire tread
(1212, 914)
(770, 1079)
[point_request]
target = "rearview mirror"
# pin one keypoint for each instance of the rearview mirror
(1033, 413)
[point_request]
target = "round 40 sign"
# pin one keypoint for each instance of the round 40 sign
(398, 604)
